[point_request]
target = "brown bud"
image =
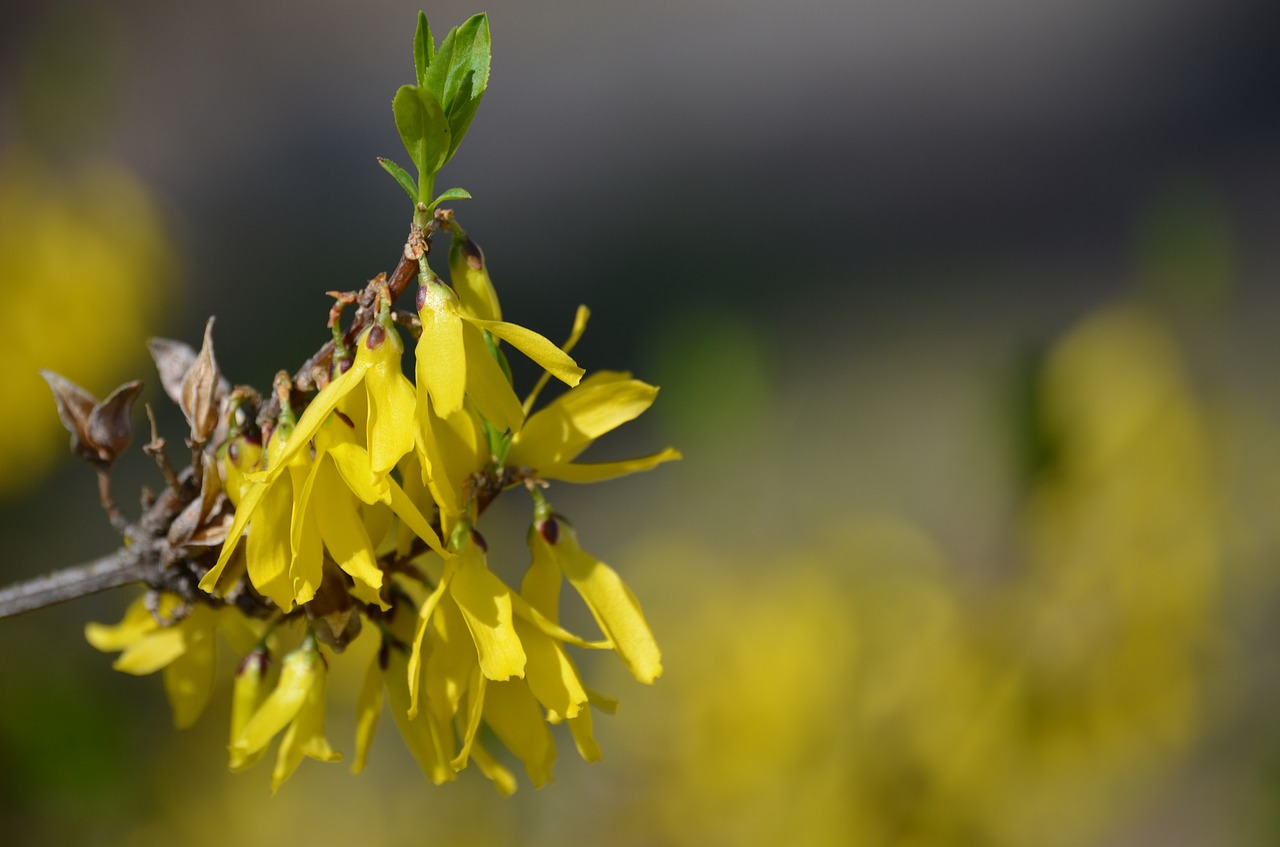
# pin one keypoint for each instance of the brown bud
(99, 431)
(201, 392)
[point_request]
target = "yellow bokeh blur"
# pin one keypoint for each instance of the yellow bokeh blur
(83, 266)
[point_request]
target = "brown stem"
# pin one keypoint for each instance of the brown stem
(118, 521)
(111, 571)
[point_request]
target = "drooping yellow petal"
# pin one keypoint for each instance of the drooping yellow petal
(611, 603)
(579, 327)
(391, 411)
(356, 467)
(421, 733)
(344, 534)
(413, 665)
(282, 705)
(250, 500)
(512, 712)
(306, 563)
(451, 449)
(406, 511)
(441, 361)
(487, 385)
(600, 471)
(485, 603)
(475, 708)
(368, 706)
(583, 736)
(247, 694)
(568, 425)
(552, 677)
(502, 779)
(188, 680)
(305, 735)
(550, 357)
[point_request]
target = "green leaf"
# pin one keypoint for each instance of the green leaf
(467, 49)
(406, 181)
(451, 194)
(424, 46)
(423, 128)
(464, 109)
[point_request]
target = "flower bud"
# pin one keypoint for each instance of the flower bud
(470, 278)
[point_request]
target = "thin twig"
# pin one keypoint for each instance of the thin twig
(111, 571)
(155, 448)
(118, 521)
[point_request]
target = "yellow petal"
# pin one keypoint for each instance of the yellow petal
(512, 712)
(297, 677)
(475, 708)
(487, 385)
(354, 464)
(391, 414)
(246, 696)
(188, 680)
(406, 511)
(152, 653)
(441, 363)
(552, 359)
(568, 425)
(269, 550)
(306, 561)
(485, 603)
(501, 778)
(583, 737)
(250, 500)
(552, 677)
(579, 327)
(413, 665)
(305, 736)
(600, 471)
(137, 623)
(368, 706)
(422, 735)
(451, 450)
(612, 604)
(313, 417)
(344, 534)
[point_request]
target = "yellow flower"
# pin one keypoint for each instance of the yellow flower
(184, 650)
(293, 517)
(296, 706)
(453, 359)
(612, 604)
(388, 393)
(558, 433)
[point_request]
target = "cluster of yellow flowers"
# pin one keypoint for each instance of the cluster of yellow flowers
(361, 514)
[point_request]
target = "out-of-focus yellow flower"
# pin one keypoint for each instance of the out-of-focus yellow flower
(184, 649)
(296, 705)
(91, 241)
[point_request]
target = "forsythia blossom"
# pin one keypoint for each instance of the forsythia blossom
(348, 503)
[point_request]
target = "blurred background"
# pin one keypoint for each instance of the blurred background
(964, 320)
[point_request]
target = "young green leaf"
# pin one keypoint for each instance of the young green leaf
(463, 110)
(423, 128)
(467, 49)
(406, 181)
(424, 46)
(451, 194)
